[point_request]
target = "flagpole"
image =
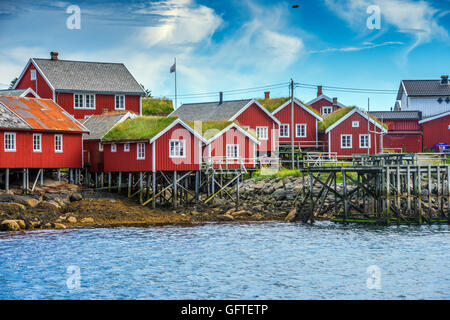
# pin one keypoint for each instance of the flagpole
(176, 104)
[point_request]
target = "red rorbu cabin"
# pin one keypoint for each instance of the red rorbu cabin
(99, 125)
(37, 133)
(436, 130)
(323, 104)
(350, 131)
(83, 88)
(404, 131)
(152, 144)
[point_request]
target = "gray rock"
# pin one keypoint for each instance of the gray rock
(9, 225)
(76, 197)
(279, 194)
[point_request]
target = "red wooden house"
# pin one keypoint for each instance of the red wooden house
(350, 131)
(152, 144)
(99, 125)
(323, 104)
(436, 129)
(37, 133)
(305, 129)
(228, 146)
(249, 113)
(404, 131)
(83, 88)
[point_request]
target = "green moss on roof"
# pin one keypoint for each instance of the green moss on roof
(332, 118)
(152, 106)
(211, 128)
(139, 128)
(272, 104)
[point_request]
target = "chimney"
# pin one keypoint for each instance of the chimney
(335, 101)
(267, 95)
(220, 97)
(319, 91)
(444, 79)
(54, 55)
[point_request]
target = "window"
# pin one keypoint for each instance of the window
(37, 142)
(113, 147)
(120, 103)
(126, 147)
(140, 151)
(232, 151)
(262, 133)
(100, 147)
(364, 141)
(449, 127)
(300, 130)
(84, 101)
(32, 74)
(355, 124)
(10, 142)
(176, 148)
(284, 131)
(327, 110)
(58, 143)
(346, 141)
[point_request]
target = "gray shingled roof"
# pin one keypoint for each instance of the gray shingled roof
(209, 110)
(423, 88)
(100, 125)
(10, 120)
(397, 115)
(13, 92)
(81, 76)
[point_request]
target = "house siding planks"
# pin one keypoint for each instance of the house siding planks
(436, 131)
(254, 117)
(406, 142)
(40, 86)
(92, 156)
(346, 128)
(323, 103)
(121, 161)
(24, 157)
(300, 116)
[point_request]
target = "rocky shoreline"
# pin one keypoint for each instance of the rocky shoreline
(60, 205)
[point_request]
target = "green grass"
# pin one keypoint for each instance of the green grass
(138, 128)
(332, 118)
(282, 173)
(209, 128)
(151, 106)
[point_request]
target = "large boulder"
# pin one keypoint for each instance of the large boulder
(51, 206)
(9, 225)
(11, 208)
(279, 194)
(291, 215)
(87, 220)
(75, 197)
(225, 217)
(72, 220)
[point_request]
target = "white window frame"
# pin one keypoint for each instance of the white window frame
(140, 154)
(327, 108)
(264, 129)
(100, 147)
(57, 150)
(288, 130)
(83, 100)
(33, 74)
(355, 124)
(368, 141)
(12, 142)
(235, 150)
(183, 147)
(115, 102)
(351, 141)
(37, 135)
(126, 147)
(449, 127)
(297, 126)
(113, 147)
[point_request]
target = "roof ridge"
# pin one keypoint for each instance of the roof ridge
(120, 63)
(249, 99)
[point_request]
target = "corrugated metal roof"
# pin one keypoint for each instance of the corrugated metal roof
(10, 120)
(12, 92)
(423, 88)
(209, 110)
(99, 125)
(82, 76)
(397, 115)
(41, 114)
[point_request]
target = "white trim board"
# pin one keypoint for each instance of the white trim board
(438, 116)
(348, 115)
(239, 129)
(301, 105)
(322, 96)
(260, 106)
(173, 124)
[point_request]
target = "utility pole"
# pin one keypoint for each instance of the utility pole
(368, 126)
(292, 125)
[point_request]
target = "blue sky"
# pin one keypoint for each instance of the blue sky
(226, 45)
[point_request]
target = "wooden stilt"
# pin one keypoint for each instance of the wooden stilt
(7, 179)
(174, 196)
(154, 190)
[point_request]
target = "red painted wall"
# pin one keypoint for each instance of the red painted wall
(92, 156)
(346, 128)
(300, 116)
(233, 136)
(436, 131)
(102, 101)
(24, 157)
(254, 117)
(323, 102)
(126, 161)
(40, 86)
(407, 142)
(401, 125)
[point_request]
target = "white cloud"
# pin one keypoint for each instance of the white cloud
(365, 46)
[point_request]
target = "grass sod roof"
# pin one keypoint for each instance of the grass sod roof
(139, 128)
(273, 103)
(332, 118)
(211, 128)
(152, 106)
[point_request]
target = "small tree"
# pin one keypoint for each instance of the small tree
(148, 93)
(12, 83)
